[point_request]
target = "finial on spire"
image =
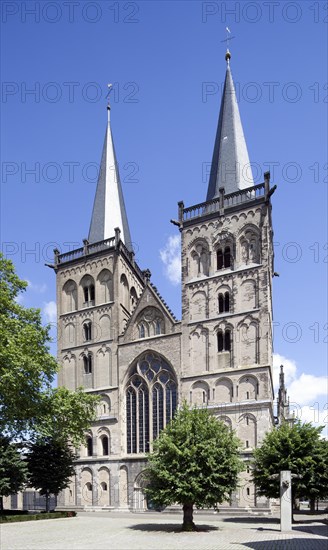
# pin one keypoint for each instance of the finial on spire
(227, 39)
(110, 87)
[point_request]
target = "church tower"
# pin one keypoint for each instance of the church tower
(119, 339)
(227, 269)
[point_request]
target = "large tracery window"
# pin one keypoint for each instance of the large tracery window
(151, 400)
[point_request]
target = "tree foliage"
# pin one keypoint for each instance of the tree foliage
(50, 466)
(29, 405)
(195, 461)
(26, 366)
(295, 447)
(13, 469)
(66, 414)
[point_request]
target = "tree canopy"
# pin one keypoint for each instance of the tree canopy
(29, 405)
(195, 461)
(296, 447)
(13, 469)
(50, 466)
(26, 366)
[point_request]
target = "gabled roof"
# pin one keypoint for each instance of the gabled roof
(230, 166)
(150, 297)
(109, 209)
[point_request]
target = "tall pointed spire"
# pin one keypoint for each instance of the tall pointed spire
(230, 163)
(108, 207)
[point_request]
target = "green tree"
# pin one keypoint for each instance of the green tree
(13, 469)
(29, 405)
(26, 366)
(195, 461)
(296, 447)
(318, 489)
(66, 415)
(50, 466)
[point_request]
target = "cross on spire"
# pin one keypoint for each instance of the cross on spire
(227, 40)
(110, 87)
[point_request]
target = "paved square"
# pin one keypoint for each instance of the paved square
(118, 531)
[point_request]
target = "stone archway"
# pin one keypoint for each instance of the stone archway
(139, 497)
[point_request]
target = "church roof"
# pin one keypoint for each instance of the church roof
(230, 163)
(109, 208)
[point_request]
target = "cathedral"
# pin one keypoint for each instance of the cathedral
(120, 340)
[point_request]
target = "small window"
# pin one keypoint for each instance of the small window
(105, 446)
(227, 257)
(92, 292)
(87, 331)
(224, 340)
(87, 363)
(248, 491)
(223, 257)
(104, 486)
(247, 397)
(224, 302)
(247, 444)
(220, 340)
(219, 258)
(227, 340)
(88, 290)
(142, 331)
(89, 446)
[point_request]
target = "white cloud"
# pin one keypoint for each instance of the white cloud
(50, 311)
(307, 388)
(40, 289)
(171, 258)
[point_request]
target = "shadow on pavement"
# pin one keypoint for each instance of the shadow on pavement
(252, 519)
(171, 528)
(321, 530)
(287, 544)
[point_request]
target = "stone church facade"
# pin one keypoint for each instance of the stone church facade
(119, 339)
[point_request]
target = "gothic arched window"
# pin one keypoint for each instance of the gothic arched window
(151, 400)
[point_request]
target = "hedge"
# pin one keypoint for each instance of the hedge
(32, 517)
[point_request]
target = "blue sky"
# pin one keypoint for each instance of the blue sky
(166, 61)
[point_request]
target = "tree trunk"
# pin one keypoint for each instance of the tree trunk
(1, 504)
(188, 516)
(47, 502)
(312, 505)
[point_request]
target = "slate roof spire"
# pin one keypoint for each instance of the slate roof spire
(230, 166)
(108, 207)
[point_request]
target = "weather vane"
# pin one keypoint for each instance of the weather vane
(227, 40)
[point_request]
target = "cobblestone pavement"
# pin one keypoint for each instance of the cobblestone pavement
(117, 531)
